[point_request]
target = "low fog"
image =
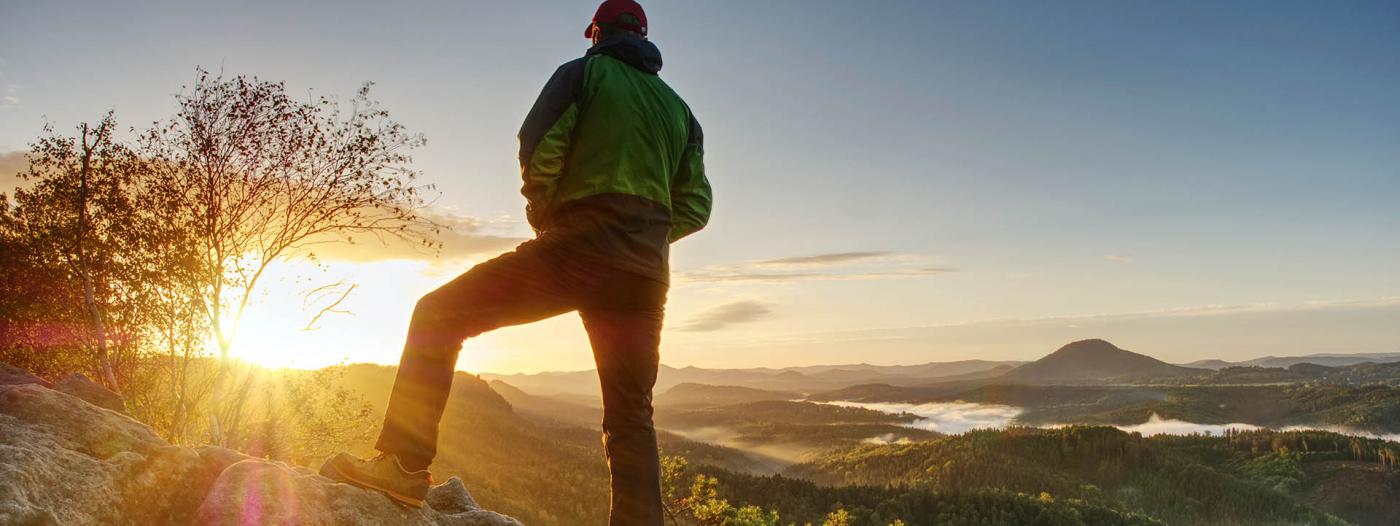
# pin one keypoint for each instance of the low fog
(960, 417)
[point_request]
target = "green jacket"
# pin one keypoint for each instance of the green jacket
(612, 159)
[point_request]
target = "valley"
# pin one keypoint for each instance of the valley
(1093, 427)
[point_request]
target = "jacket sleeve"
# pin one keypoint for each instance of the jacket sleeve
(545, 139)
(691, 198)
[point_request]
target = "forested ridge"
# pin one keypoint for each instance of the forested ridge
(804, 501)
(1250, 477)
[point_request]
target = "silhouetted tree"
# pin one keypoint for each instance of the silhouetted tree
(260, 178)
(77, 213)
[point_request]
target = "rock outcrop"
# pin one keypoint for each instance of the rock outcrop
(65, 460)
(11, 375)
(83, 387)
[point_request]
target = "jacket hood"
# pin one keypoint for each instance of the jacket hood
(634, 51)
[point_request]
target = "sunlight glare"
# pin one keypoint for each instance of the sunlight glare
(275, 333)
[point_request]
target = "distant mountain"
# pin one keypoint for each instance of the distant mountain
(925, 370)
(995, 372)
(702, 395)
(1327, 359)
(1211, 364)
(1361, 374)
(552, 383)
(1093, 361)
(1097, 363)
(803, 379)
(1080, 364)
(549, 409)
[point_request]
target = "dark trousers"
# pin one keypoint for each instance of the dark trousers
(622, 313)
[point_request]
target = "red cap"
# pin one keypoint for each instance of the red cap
(610, 10)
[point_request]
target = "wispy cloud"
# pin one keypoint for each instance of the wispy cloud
(1118, 258)
(465, 236)
(1192, 311)
(461, 237)
(719, 317)
(830, 266)
(822, 259)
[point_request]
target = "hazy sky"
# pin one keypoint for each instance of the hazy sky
(895, 182)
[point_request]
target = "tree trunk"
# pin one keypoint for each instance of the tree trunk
(99, 329)
(218, 433)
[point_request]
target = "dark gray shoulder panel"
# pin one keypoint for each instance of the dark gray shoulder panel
(564, 88)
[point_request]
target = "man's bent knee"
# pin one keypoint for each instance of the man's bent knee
(434, 324)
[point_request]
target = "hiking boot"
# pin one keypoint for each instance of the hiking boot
(383, 473)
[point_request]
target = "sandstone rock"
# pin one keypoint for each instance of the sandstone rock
(82, 387)
(216, 459)
(451, 497)
(63, 460)
(11, 375)
(271, 493)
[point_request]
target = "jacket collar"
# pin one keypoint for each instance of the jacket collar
(634, 51)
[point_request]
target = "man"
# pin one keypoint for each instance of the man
(612, 164)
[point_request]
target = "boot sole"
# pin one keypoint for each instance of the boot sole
(406, 500)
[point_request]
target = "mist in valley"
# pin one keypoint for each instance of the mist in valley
(946, 417)
(961, 417)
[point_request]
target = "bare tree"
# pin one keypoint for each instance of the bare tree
(260, 177)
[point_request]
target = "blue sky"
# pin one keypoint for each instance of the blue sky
(986, 166)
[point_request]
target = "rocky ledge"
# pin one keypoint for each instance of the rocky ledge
(68, 455)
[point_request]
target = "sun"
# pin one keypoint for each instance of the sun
(271, 342)
(368, 326)
(278, 331)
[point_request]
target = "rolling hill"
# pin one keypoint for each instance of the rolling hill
(1093, 362)
(1329, 360)
(703, 395)
(551, 410)
(803, 379)
(483, 440)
